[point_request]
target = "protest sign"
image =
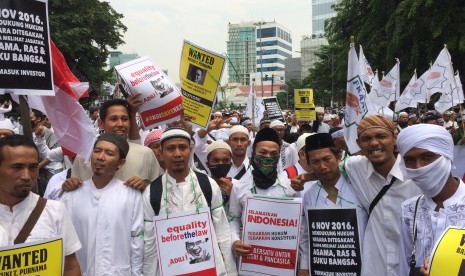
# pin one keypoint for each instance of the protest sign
(272, 228)
(25, 60)
(334, 241)
(184, 243)
(200, 73)
(272, 107)
(304, 106)
(162, 101)
(448, 255)
(42, 258)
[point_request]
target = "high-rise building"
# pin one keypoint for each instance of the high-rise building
(322, 10)
(257, 49)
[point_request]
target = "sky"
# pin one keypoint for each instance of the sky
(157, 28)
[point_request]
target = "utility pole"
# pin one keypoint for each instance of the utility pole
(272, 84)
(261, 61)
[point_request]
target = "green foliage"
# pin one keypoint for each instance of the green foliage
(84, 31)
(414, 31)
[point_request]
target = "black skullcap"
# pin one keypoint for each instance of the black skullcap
(116, 140)
(267, 134)
(318, 141)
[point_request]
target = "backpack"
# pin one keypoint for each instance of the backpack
(156, 190)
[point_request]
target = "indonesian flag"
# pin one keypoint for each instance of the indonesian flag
(387, 90)
(72, 127)
(365, 69)
(406, 99)
(357, 105)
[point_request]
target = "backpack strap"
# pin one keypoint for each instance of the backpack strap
(380, 195)
(156, 189)
(68, 173)
(206, 187)
(291, 171)
(31, 221)
(412, 257)
(241, 173)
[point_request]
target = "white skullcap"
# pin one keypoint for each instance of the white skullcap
(218, 145)
(426, 136)
(319, 109)
(301, 141)
(217, 113)
(174, 133)
(403, 113)
(276, 123)
(337, 134)
(238, 128)
(326, 118)
(6, 124)
(334, 116)
(411, 116)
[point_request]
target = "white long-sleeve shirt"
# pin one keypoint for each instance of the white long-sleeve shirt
(430, 225)
(316, 196)
(380, 254)
(181, 198)
(110, 225)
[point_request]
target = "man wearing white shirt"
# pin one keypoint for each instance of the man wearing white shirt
(108, 215)
(428, 152)
(180, 185)
(331, 190)
(288, 154)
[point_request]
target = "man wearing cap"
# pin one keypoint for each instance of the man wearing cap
(179, 187)
(449, 123)
(337, 133)
(265, 122)
(262, 180)
(152, 141)
(6, 128)
(458, 135)
(412, 119)
(219, 161)
(402, 121)
(428, 152)
(141, 166)
(288, 154)
(108, 215)
(331, 190)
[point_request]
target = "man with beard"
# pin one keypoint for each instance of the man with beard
(262, 180)
(402, 121)
(19, 162)
(428, 152)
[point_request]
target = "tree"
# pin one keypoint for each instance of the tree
(84, 31)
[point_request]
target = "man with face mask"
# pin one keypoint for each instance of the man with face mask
(427, 152)
(261, 179)
(219, 163)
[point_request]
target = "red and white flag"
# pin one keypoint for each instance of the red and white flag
(387, 90)
(365, 69)
(441, 75)
(406, 99)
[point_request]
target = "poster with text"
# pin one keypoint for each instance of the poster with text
(42, 258)
(304, 106)
(25, 59)
(448, 255)
(272, 228)
(272, 107)
(200, 73)
(334, 241)
(162, 101)
(184, 243)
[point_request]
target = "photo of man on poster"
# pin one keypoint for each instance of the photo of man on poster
(196, 74)
(196, 252)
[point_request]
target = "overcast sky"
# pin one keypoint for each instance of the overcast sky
(157, 28)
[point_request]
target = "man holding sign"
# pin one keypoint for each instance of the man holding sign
(428, 152)
(19, 162)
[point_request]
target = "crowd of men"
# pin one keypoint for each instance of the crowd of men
(399, 183)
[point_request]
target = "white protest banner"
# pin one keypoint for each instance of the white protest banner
(334, 241)
(25, 59)
(272, 228)
(41, 258)
(272, 107)
(162, 101)
(184, 243)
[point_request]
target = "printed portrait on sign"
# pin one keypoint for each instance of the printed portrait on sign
(196, 74)
(196, 251)
(304, 100)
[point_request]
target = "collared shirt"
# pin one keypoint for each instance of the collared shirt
(381, 242)
(54, 222)
(235, 170)
(287, 156)
(430, 225)
(180, 197)
(109, 221)
(316, 196)
(246, 188)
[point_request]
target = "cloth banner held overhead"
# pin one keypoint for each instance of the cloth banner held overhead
(200, 72)
(25, 54)
(273, 234)
(357, 105)
(162, 101)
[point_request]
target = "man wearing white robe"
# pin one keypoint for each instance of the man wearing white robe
(108, 215)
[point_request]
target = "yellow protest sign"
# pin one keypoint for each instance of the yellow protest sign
(448, 257)
(304, 106)
(44, 258)
(200, 73)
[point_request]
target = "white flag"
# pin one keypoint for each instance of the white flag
(450, 98)
(441, 75)
(357, 105)
(257, 106)
(387, 89)
(365, 69)
(406, 99)
(419, 91)
(459, 88)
